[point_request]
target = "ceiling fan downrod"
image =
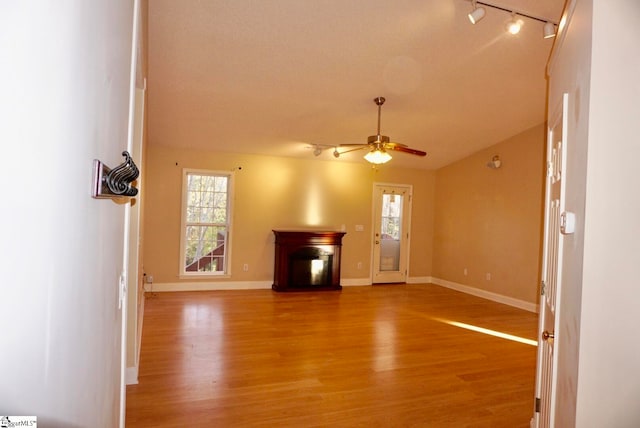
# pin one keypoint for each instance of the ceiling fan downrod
(379, 101)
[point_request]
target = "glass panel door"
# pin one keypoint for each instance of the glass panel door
(391, 234)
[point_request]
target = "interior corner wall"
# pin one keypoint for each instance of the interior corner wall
(279, 192)
(489, 221)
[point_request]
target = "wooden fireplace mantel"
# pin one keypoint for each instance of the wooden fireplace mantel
(297, 248)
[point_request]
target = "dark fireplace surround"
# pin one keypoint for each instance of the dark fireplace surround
(307, 260)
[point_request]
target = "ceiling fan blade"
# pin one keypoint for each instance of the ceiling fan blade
(394, 144)
(405, 149)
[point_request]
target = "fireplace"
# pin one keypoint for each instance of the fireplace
(307, 260)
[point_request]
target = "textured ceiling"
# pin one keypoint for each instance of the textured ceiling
(275, 77)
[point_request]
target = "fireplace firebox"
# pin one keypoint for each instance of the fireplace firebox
(307, 260)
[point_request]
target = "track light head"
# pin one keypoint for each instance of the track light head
(476, 14)
(317, 150)
(549, 30)
(514, 25)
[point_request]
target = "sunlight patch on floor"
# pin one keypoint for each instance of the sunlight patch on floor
(489, 332)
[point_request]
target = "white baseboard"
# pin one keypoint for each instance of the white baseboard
(353, 282)
(419, 280)
(527, 306)
(131, 376)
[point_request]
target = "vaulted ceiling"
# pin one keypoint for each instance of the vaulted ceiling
(277, 77)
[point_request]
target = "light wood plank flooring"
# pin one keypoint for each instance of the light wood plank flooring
(376, 356)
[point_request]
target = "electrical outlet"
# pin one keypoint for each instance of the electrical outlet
(466, 272)
(245, 267)
(359, 265)
(488, 276)
(149, 279)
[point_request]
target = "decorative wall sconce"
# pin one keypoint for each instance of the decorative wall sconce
(495, 162)
(116, 182)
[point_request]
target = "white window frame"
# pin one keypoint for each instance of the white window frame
(226, 272)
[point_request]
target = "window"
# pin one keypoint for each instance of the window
(206, 223)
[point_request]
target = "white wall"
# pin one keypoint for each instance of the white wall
(65, 101)
(609, 373)
(598, 341)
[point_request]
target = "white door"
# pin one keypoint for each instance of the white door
(392, 205)
(551, 263)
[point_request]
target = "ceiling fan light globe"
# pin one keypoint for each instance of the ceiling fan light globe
(377, 157)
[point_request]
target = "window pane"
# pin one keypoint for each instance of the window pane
(391, 216)
(220, 184)
(205, 248)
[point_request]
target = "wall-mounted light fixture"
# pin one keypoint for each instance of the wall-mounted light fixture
(515, 24)
(495, 162)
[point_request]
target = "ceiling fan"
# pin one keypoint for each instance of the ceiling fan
(379, 144)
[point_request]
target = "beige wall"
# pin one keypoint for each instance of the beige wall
(277, 192)
(490, 220)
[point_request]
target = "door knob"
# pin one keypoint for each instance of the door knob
(546, 335)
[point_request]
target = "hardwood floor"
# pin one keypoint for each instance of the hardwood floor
(378, 356)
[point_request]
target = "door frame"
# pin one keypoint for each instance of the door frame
(406, 220)
(128, 240)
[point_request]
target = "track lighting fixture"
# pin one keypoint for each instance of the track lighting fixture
(477, 13)
(549, 30)
(317, 150)
(515, 24)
